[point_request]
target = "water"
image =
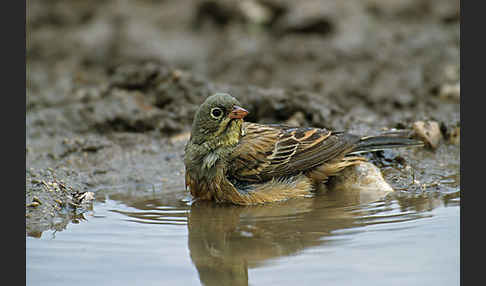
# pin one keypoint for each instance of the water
(163, 239)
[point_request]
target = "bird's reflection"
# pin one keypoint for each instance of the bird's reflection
(226, 240)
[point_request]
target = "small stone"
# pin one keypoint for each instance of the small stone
(363, 181)
(177, 74)
(428, 131)
(455, 136)
(36, 199)
(255, 12)
(33, 204)
(450, 91)
(87, 197)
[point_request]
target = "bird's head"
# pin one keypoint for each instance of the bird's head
(218, 121)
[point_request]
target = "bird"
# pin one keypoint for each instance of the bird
(229, 160)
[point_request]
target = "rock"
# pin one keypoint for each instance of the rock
(33, 204)
(364, 180)
(450, 91)
(223, 13)
(429, 132)
(255, 12)
(455, 136)
(83, 198)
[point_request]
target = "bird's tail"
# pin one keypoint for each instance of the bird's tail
(382, 142)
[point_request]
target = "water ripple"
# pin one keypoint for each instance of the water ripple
(160, 215)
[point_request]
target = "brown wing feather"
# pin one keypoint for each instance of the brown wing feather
(268, 151)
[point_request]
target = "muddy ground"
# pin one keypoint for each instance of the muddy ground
(112, 86)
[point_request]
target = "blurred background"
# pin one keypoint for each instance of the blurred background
(386, 62)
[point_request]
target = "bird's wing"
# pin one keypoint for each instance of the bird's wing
(267, 151)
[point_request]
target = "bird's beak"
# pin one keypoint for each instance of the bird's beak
(238, 112)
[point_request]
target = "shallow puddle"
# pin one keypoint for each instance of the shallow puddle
(163, 239)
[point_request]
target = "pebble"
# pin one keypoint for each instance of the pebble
(429, 132)
(36, 199)
(33, 204)
(450, 91)
(364, 180)
(455, 136)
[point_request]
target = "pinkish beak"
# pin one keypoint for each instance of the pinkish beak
(238, 112)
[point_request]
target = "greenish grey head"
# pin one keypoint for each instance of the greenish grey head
(213, 117)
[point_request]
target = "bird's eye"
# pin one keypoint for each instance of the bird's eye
(216, 113)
